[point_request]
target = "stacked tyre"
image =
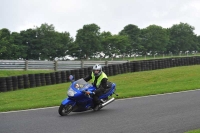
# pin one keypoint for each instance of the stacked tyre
(81, 73)
(48, 78)
(3, 87)
(15, 82)
(42, 79)
(58, 77)
(32, 80)
(26, 81)
(20, 82)
(63, 77)
(9, 84)
(53, 78)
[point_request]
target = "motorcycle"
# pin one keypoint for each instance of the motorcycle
(80, 97)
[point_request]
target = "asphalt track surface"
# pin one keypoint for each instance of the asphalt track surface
(168, 113)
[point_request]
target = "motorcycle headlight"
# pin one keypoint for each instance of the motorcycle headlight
(71, 92)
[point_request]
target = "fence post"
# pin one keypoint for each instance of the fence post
(106, 63)
(82, 64)
(55, 65)
(26, 65)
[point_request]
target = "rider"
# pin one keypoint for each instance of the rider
(99, 79)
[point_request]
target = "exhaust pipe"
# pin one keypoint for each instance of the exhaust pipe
(108, 102)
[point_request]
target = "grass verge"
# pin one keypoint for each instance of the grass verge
(8, 73)
(193, 131)
(128, 85)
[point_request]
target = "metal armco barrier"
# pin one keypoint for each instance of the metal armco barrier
(52, 65)
(35, 80)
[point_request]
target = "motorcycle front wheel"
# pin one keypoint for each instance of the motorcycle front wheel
(65, 109)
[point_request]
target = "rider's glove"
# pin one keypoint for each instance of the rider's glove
(89, 93)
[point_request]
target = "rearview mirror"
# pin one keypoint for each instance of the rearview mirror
(71, 78)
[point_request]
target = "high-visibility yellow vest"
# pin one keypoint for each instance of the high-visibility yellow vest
(103, 75)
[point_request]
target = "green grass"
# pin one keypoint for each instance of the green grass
(194, 131)
(128, 85)
(7, 73)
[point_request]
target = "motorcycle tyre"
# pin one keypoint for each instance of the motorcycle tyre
(65, 109)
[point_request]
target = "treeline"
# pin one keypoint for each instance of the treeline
(45, 43)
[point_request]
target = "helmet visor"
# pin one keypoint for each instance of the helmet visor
(96, 71)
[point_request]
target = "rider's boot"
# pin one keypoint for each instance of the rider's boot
(97, 107)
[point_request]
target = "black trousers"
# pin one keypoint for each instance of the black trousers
(96, 100)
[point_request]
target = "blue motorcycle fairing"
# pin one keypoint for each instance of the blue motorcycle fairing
(109, 93)
(68, 101)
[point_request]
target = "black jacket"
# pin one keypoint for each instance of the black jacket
(102, 85)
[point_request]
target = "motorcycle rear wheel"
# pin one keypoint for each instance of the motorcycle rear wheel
(65, 109)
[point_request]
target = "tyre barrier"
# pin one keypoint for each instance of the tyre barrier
(167, 64)
(156, 64)
(9, 83)
(37, 80)
(146, 65)
(3, 87)
(192, 61)
(121, 69)
(15, 82)
(86, 72)
(138, 66)
(143, 66)
(115, 69)
(110, 70)
(47, 78)
(42, 79)
(63, 77)
(198, 60)
(118, 68)
(67, 75)
(128, 67)
(53, 78)
(89, 70)
(151, 65)
(125, 67)
(160, 64)
(58, 77)
(133, 66)
(171, 63)
(81, 73)
(20, 82)
(106, 70)
(34, 80)
(72, 72)
(77, 76)
(186, 61)
(26, 81)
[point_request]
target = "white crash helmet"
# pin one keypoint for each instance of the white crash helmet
(96, 68)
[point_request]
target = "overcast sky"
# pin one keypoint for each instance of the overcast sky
(109, 15)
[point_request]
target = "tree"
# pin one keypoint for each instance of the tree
(154, 39)
(45, 43)
(198, 43)
(5, 45)
(18, 50)
(181, 37)
(133, 33)
(88, 40)
(105, 43)
(114, 44)
(63, 44)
